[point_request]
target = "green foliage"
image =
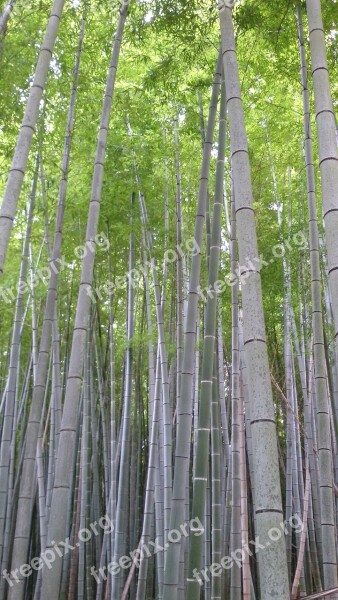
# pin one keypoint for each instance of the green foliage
(167, 61)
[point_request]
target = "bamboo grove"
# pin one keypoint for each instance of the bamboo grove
(169, 300)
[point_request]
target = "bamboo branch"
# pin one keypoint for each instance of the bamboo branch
(322, 594)
(131, 574)
(303, 535)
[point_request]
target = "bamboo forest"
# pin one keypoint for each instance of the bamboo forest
(168, 299)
